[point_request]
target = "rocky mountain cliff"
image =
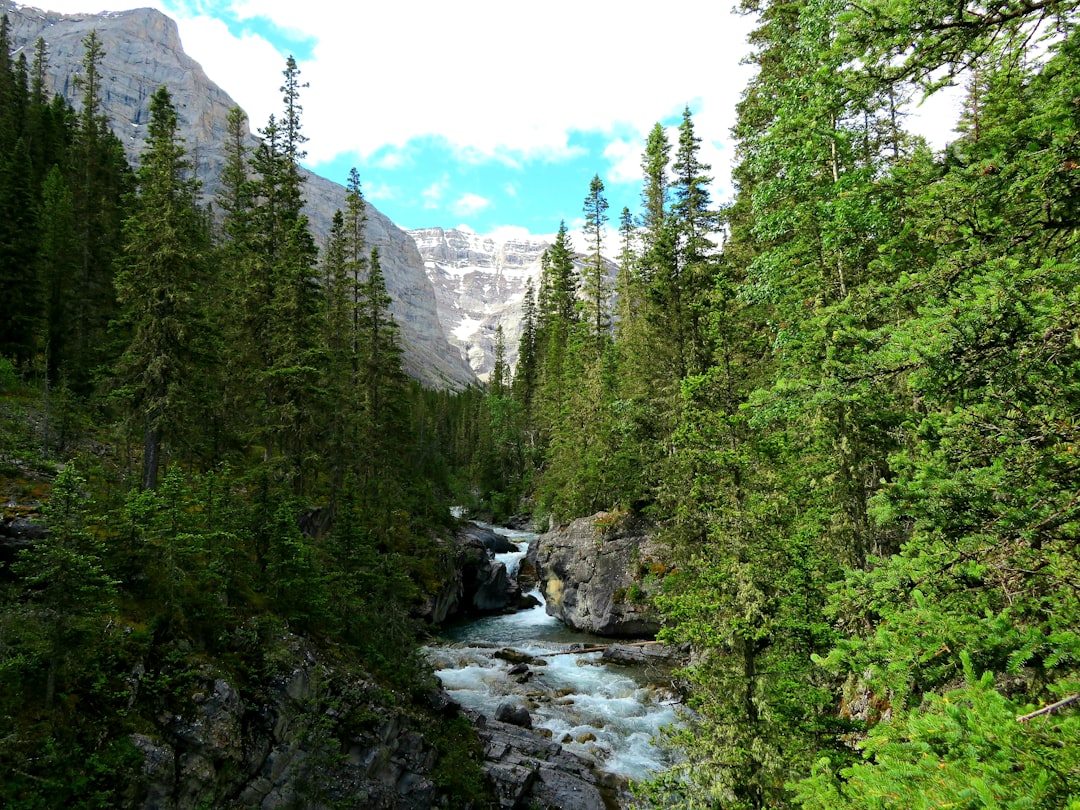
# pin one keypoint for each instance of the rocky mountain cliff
(479, 284)
(143, 52)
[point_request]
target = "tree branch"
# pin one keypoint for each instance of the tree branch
(1048, 709)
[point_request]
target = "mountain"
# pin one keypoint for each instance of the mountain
(479, 284)
(142, 53)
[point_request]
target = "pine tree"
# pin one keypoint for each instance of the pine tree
(100, 182)
(69, 591)
(693, 221)
(20, 284)
(525, 374)
(596, 287)
(499, 382)
(283, 307)
(165, 254)
(655, 193)
(345, 270)
(557, 320)
(384, 425)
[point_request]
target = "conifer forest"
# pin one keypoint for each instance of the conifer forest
(848, 399)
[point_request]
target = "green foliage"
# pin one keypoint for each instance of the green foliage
(458, 768)
(961, 749)
(854, 424)
(160, 288)
(8, 376)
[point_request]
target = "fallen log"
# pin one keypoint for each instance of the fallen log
(602, 647)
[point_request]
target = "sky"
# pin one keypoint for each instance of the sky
(488, 114)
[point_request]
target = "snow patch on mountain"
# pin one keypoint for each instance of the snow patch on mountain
(480, 282)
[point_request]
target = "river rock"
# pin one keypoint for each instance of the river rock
(642, 654)
(598, 574)
(531, 771)
(493, 590)
(472, 583)
(519, 522)
(512, 656)
(493, 541)
(507, 712)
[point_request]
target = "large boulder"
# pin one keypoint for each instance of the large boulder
(493, 541)
(598, 574)
(472, 582)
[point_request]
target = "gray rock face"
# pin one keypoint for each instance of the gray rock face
(598, 573)
(479, 284)
(493, 541)
(143, 52)
(220, 749)
(473, 582)
(530, 771)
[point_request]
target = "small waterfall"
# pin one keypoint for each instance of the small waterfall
(605, 712)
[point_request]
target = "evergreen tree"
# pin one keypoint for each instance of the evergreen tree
(159, 288)
(283, 306)
(499, 383)
(69, 591)
(655, 194)
(525, 374)
(596, 287)
(20, 284)
(689, 282)
(346, 265)
(100, 182)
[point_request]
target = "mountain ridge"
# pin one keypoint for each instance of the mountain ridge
(479, 282)
(142, 52)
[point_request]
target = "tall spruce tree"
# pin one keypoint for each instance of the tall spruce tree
(285, 307)
(101, 181)
(160, 288)
(596, 286)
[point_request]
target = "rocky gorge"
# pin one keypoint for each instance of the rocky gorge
(306, 731)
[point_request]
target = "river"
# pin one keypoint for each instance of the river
(605, 712)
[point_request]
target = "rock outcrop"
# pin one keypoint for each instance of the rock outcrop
(309, 736)
(598, 574)
(473, 583)
(529, 771)
(142, 52)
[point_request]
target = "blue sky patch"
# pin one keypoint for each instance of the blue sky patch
(286, 41)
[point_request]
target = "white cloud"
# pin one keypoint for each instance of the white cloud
(479, 73)
(380, 191)
(433, 194)
(484, 75)
(469, 204)
(394, 159)
(508, 233)
(625, 158)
